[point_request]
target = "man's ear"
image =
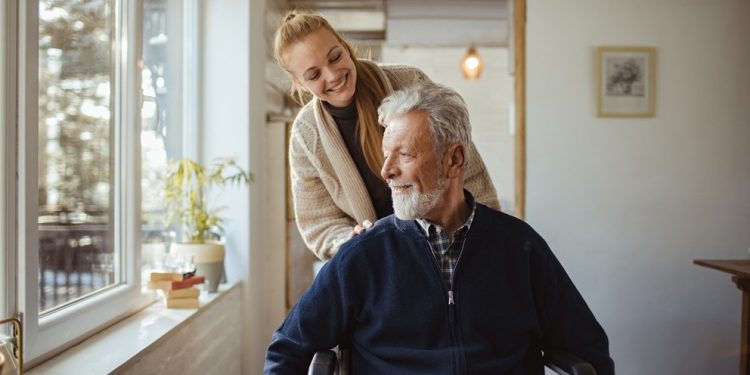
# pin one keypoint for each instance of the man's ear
(456, 159)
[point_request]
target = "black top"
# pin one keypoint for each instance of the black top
(346, 121)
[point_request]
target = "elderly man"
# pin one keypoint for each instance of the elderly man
(445, 285)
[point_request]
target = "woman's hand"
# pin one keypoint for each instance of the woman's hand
(360, 228)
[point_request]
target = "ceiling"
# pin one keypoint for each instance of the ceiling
(434, 23)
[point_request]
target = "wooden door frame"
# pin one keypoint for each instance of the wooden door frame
(519, 63)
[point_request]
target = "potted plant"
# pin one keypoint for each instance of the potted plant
(186, 196)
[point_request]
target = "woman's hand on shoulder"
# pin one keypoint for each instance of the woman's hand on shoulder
(361, 228)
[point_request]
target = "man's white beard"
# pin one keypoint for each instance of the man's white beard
(416, 205)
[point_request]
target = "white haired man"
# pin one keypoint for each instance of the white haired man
(445, 285)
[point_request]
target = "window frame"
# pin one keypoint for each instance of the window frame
(59, 329)
(53, 332)
(7, 107)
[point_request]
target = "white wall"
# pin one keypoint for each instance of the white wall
(233, 113)
(224, 116)
(487, 99)
(627, 204)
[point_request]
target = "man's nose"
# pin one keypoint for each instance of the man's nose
(388, 171)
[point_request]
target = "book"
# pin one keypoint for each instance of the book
(159, 285)
(176, 284)
(182, 303)
(165, 276)
(186, 283)
(191, 292)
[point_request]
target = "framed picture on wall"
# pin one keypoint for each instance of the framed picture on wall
(625, 81)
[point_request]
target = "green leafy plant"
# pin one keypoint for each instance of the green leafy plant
(186, 191)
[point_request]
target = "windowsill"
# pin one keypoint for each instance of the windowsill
(123, 342)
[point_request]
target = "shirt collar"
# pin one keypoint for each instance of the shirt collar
(426, 224)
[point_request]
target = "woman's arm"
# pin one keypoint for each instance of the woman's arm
(322, 224)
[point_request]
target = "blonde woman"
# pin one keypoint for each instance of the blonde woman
(335, 148)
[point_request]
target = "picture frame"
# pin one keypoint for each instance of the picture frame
(625, 81)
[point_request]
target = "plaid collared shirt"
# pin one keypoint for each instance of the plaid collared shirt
(448, 252)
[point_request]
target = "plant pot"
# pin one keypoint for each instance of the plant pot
(208, 259)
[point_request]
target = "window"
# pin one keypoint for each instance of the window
(100, 110)
(76, 151)
(76, 161)
(162, 127)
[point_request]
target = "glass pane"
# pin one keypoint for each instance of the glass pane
(161, 130)
(76, 254)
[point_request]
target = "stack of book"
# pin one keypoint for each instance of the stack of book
(178, 289)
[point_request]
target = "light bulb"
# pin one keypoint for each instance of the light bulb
(471, 64)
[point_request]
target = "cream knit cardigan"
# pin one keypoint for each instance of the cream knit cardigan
(329, 195)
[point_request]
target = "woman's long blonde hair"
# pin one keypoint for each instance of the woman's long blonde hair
(369, 89)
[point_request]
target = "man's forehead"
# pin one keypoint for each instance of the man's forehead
(415, 121)
(407, 130)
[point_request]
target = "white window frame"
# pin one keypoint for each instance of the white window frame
(47, 335)
(19, 244)
(8, 281)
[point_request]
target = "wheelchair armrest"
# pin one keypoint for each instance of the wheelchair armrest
(323, 363)
(567, 364)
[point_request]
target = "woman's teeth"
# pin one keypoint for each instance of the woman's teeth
(340, 85)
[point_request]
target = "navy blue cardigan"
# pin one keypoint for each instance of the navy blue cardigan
(383, 290)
